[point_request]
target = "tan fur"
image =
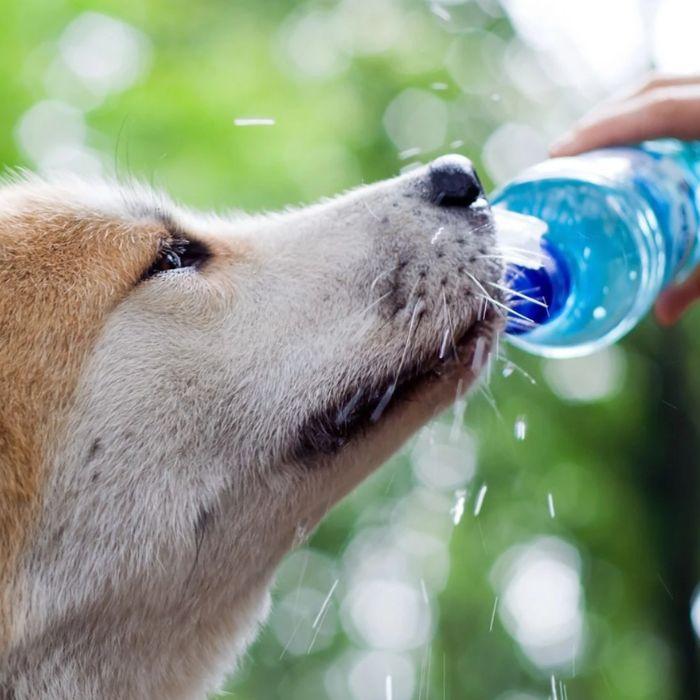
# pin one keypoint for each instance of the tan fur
(59, 275)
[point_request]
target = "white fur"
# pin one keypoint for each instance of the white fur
(177, 489)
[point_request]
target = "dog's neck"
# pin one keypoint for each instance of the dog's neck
(174, 652)
(173, 629)
(180, 642)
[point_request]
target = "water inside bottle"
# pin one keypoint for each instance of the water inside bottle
(593, 236)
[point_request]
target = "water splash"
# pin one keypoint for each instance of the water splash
(254, 121)
(321, 615)
(493, 614)
(479, 353)
(457, 510)
(441, 12)
(480, 500)
(434, 239)
(553, 682)
(409, 153)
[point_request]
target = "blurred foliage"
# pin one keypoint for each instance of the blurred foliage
(619, 468)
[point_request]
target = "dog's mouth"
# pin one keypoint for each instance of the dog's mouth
(330, 429)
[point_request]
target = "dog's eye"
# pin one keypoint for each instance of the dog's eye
(169, 260)
(177, 255)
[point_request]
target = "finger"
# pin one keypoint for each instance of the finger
(675, 300)
(670, 112)
(655, 82)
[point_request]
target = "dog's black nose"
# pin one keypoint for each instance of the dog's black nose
(454, 182)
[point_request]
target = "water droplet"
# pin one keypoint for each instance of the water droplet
(508, 370)
(599, 313)
(409, 153)
(301, 533)
(441, 12)
(479, 354)
(586, 253)
(437, 235)
(550, 504)
(633, 275)
(457, 510)
(254, 121)
(520, 428)
(493, 614)
(480, 499)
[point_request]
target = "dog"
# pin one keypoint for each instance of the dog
(182, 395)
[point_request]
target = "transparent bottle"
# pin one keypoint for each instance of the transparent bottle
(621, 223)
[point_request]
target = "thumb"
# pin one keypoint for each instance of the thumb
(674, 300)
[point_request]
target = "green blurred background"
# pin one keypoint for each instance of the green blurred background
(540, 542)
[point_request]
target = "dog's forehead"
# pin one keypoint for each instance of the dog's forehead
(129, 201)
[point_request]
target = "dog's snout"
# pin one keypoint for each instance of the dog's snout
(454, 182)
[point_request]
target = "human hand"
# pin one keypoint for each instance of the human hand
(662, 107)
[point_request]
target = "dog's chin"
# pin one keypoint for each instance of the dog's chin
(429, 384)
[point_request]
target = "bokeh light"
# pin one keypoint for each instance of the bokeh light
(416, 119)
(541, 602)
(589, 43)
(592, 378)
(674, 43)
(523, 533)
(106, 54)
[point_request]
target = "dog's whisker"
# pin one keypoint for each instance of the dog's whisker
(380, 275)
(449, 325)
(349, 407)
(374, 303)
(516, 249)
(443, 344)
(515, 367)
(383, 402)
(486, 393)
(481, 313)
(371, 213)
(518, 320)
(509, 310)
(521, 295)
(460, 406)
(479, 285)
(478, 356)
(386, 398)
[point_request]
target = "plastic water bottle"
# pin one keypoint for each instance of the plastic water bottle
(619, 225)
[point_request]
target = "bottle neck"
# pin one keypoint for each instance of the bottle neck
(538, 294)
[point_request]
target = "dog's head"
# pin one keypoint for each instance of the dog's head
(182, 395)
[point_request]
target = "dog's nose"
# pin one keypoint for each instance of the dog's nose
(454, 182)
